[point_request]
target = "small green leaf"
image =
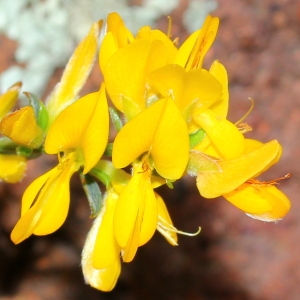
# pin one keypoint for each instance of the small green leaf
(93, 193)
(117, 121)
(197, 137)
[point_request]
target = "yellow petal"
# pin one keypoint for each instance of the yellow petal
(168, 80)
(83, 126)
(50, 205)
(197, 88)
(225, 136)
(75, 74)
(117, 27)
(102, 279)
(12, 168)
(22, 128)
(159, 130)
(106, 250)
(165, 225)
(9, 99)
(237, 171)
(260, 201)
(220, 108)
(146, 33)
(117, 36)
(135, 216)
(108, 47)
(191, 53)
(125, 74)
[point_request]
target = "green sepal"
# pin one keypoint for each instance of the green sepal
(169, 184)
(7, 146)
(108, 150)
(201, 163)
(40, 111)
(100, 175)
(93, 193)
(115, 117)
(23, 151)
(197, 137)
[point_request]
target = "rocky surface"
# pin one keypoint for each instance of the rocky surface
(234, 257)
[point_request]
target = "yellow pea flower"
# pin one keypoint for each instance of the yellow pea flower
(21, 126)
(79, 141)
(233, 173)
(158, 134)
(12, 167)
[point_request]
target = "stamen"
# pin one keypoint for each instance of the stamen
(247, 113)
(256, 182)
(170, 228)
(244, 127)
(169, 27)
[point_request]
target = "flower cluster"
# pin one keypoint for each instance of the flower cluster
(170, 120)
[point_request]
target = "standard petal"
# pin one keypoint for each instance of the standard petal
(125, 74)
(96, 135)
(159, 130)
(235, 172)
(117, 36)
(75, 74)
(84, 126)
(146, 33)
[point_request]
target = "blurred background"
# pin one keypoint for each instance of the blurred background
(234, 257)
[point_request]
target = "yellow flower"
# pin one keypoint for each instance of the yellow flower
(159, 135)
(21, 126)
(12, 167)
(79, 137)
(234, 180)
(126, 62)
